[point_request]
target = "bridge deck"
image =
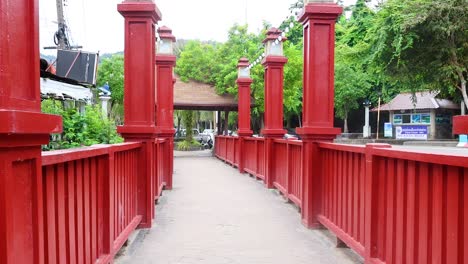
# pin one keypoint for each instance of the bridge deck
(216, 215)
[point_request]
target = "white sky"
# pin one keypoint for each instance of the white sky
(97, 26)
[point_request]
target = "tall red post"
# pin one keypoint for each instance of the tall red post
(243, 82)
(319, 18)
(274, 78)
(23, 129)
(139, 94)
(165, 62)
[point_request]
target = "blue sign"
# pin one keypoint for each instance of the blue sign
(411, 132)
(388, 130)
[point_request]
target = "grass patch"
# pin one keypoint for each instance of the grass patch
(187, 145)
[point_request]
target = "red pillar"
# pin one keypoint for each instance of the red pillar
(139, 95)
(23, 129)
(318, 99)
(243, 81)
(274, 77)
(165, 62)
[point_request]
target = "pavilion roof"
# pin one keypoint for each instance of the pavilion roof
(424, 100)
(193, 95)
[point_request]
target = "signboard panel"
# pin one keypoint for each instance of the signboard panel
(411, 132)
(388, 130)
(77, 65)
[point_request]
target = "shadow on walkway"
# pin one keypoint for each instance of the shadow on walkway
(216, 215)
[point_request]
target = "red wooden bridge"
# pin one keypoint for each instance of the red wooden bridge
(81, 205)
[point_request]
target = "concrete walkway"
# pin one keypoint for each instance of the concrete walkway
(216, 215)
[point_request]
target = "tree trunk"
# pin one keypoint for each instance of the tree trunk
(464, 93)
(345, 129)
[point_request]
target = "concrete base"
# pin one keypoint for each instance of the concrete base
(463, 143)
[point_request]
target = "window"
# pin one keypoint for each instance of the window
(422, 118)
(406, 119)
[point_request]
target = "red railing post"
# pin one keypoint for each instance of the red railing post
(319, 19)
(370, 204)
(23, 129)
(243, 81)
(274, 77)
(139, 94)
(165, 62)
(108, 192)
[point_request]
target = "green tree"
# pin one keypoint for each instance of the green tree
(352, 83)
(187, 119)
(422, 44)
(111, 70)
(196, 62)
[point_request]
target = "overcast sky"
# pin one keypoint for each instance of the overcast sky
(97, 26)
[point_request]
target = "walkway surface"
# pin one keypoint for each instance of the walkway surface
(216, 215)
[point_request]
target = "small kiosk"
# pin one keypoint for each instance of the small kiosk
(420, 116)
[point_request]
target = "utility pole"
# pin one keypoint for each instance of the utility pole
(61, 36)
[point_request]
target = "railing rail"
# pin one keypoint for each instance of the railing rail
(90, 202)
(390, 205)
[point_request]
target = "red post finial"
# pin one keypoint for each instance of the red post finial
(166, 33)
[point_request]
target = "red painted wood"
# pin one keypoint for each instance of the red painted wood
(50, 221)
(452, 213)
(423, 214)
(71, 213)
(80, 211)
(319, 43)
(274, 77)
(243, 84)
(437, 214)
(410, 212)
(460, 125)
(79, 228)
(464, 206)
(60, 205)
(23, 128)
(165, 105)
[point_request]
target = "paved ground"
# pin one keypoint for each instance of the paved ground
(216, 215)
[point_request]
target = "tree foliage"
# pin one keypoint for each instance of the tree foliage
(422, 44)
(111, 70)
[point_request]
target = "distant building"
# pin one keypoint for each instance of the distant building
(422, 117)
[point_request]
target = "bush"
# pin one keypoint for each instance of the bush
(188, 145)
(79, 129)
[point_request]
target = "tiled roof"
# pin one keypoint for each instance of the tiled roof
(199, 96)
(424, 100)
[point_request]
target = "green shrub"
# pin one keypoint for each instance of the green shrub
(188, 145)
(80, 129)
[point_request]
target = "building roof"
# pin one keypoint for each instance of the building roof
(194, 95)
(424, 100)
(64, 91)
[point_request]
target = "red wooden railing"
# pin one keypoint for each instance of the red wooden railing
(255, 157)
(343, 200)
(389, 205)
(287, 169)
(421, 210)
(228, 148)
(90, 200)
(161, 160)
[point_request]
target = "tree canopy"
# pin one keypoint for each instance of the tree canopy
(422, 44)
